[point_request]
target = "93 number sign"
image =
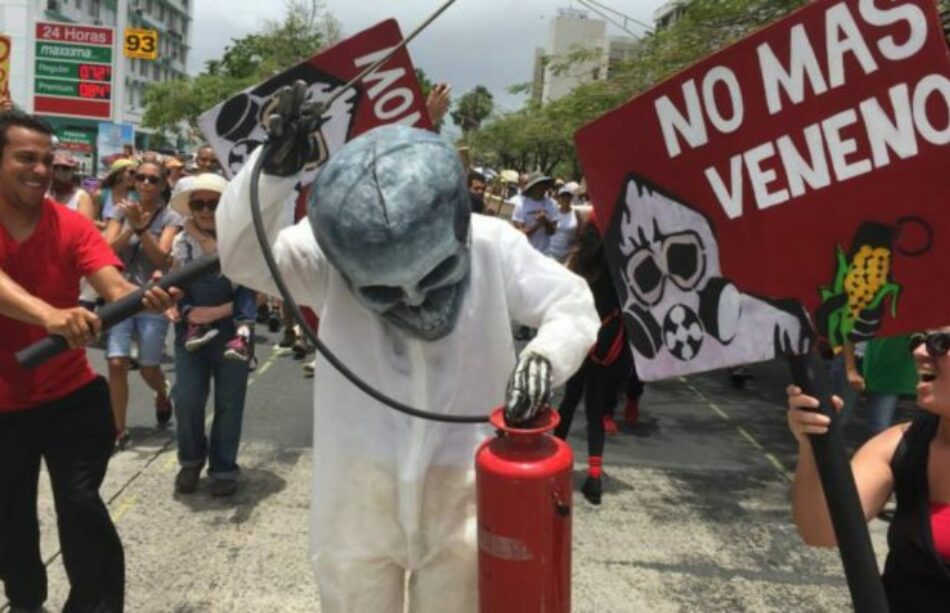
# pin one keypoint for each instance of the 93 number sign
(141, 44)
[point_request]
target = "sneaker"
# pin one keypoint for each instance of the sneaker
(610, 426)
(301, 346)
(186, 481)
(262, 314)
(309, 367)
(223, 487)
(290, 337)
(197, 336)
(163, 406)
(273, 321)
(122, 440)
(631, 413)
(237, 349)
(592, 490)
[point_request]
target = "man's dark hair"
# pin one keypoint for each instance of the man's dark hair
(474, 175)
(19, 119)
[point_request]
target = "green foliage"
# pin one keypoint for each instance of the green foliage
(248, 60)
(472, 109)
(542, 137)
(424, 83)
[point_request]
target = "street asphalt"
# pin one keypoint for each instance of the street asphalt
(695, 513)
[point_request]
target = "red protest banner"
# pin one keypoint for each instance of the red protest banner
(389, 94)
(798, 174)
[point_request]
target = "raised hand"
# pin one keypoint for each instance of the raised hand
(291, 126)
(803, 415)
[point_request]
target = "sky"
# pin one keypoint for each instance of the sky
(475, 42)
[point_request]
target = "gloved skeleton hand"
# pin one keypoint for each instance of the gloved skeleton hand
(529, 388)
(293, 127)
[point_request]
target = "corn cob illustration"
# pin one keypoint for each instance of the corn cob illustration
(852, 304)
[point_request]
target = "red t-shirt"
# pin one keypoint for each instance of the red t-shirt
(64, 247)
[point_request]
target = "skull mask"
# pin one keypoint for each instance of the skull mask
(390, 211)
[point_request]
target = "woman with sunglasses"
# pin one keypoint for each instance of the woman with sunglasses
(212, 310)
(141, 233)
(118, 185)
(911, 460)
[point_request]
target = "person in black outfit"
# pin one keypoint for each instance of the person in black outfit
(608, 365)
(911, 460)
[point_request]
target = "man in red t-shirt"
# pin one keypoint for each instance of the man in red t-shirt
(59, 411)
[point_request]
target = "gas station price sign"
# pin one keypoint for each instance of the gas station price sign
(74, 70)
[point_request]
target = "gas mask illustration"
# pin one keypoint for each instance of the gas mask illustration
(679, 305)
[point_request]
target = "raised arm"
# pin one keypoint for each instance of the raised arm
(870, 465)
(294, 247)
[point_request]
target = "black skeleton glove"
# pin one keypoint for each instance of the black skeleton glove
(529, 388)
(293, 129)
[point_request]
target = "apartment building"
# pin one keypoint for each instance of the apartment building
(171, 19)
(570, 32)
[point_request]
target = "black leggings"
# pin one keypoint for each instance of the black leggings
(596, 383)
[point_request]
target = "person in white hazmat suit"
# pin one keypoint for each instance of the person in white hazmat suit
(416, 296)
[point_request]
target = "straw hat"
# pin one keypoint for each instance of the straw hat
(204, 182)
(121, 165)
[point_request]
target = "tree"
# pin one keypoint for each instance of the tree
(248, 60)
(425, 85)
(705, 27)
(472, 109)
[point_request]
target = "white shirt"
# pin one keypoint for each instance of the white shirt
(525, 212)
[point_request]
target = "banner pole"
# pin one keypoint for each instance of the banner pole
(841, 494)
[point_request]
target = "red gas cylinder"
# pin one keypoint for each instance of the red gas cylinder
(523, 482)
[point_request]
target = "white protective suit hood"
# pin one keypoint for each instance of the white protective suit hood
(392, 493)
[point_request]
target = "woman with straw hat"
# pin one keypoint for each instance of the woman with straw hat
(118, 185)
(212, 310)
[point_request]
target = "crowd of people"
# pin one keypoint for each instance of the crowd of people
(66, 249)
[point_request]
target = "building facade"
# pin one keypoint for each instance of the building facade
(171, 19)
(668, 13)
(578, 51)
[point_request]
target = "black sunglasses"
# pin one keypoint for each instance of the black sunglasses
(153, 179)
(200, 205)
(937, 343)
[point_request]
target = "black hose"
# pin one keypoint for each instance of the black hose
(291, 305)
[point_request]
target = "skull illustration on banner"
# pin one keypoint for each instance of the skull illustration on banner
(677, 304)
(389, 94)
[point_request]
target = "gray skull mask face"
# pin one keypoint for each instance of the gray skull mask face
(391, 212)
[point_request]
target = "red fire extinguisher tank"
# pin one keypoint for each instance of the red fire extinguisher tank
(523, 482)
